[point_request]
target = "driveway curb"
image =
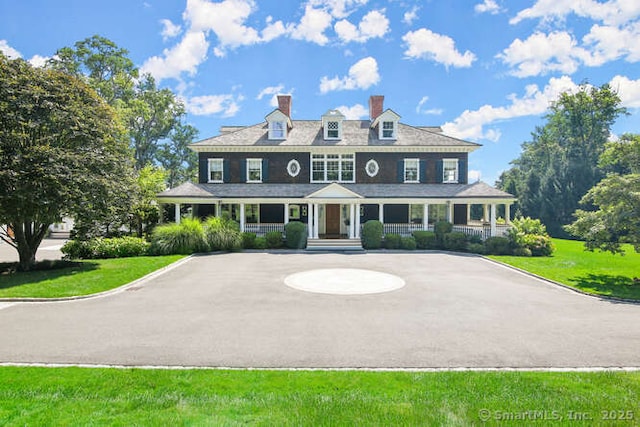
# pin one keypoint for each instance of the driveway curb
(119, 289)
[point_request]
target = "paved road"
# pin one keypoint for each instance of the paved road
(233, 310)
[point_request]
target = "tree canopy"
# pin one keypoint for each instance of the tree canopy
(560, 164)
(61, 146)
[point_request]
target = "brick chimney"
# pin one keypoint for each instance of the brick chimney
(376, 104)
(284, 104)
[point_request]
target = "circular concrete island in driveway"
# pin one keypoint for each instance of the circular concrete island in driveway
(344, 281)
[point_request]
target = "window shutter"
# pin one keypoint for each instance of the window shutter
(265, 170)
(400, 170)
(243, 171)
(462, 171)
(423, 171)
(225, 170)
(203, 169)
(439, 171)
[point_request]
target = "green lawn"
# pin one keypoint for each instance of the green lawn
(598, 273)
(88, 277)
(82, 396)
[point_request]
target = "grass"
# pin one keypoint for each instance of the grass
(83, 396)
(597, 273)
(83, 278)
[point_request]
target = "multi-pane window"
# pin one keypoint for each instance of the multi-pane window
(450, 170)
(388, 130)
(332, 167)
(252, 214)
(216, 167)
(254, 170)
(277, 130)
(416, 213)
(411, 170)
(333, 130)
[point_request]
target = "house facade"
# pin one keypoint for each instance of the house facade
(334, 174)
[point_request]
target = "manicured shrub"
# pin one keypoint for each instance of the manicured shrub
(248, 240)
(78, 249)
(455, 241)
(497, 246)
(425, 239)
(185, 238)
(392, 241)
(474, 238)
(100, 248)
(408, 243)
(260, 243)
(476, 248)
(522, 252)
(441, 228)
(222, 234)
(372, 234)
(274, 239)
(296, 235)
(531, 234)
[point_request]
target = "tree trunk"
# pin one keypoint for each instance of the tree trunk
(28, 236)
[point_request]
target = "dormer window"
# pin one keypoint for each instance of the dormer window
(277, 130)
(388, 130)
(332, 124)
(387, 125)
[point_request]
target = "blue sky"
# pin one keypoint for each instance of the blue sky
(484, 70)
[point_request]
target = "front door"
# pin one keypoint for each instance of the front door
(332, 221)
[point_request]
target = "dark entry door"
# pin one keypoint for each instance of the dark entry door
(332, 220)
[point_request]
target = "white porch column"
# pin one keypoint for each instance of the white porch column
(218, 210)
(468, 213)
(352, 220)
(316, 220)
(242, 217)
(161, 209)
(425, 217)
(357, 236)
(485, 213)
(493, 220)
(450, 212)
(381, 212)
(310, 220)
(177, 213)
(286, 213)
(507, 213)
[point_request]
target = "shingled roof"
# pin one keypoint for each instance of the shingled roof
(355, 133)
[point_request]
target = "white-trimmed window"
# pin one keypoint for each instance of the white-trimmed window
(277, 129)
(388, 130)
(411, 170)
(254, 170)
(332, 168)
(333, 130)
(293, 168)
(450, 170)
(372, 168)
(216, 170)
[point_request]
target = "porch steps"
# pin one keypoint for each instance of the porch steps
(334, 245)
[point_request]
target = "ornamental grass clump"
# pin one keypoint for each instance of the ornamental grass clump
(222, 234)
(185, 238)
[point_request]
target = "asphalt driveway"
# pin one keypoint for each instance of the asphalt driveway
(233, 310)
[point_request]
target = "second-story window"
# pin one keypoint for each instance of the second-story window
(254, 170)
(332, 168)
(411, 170)
(216, 170)
(450, 170)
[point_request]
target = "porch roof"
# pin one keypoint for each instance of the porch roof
(478, 190)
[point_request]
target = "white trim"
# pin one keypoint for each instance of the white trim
(373, 163)
(404, 172)
(394, 130)
(333, 149)
(290, 164)
(247, 170)
(457, 172)
(334, 191)
(325, 162)
(209, 163)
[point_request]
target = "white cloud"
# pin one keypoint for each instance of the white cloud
(355, 112)
(312, 26)
(227, 105)
(426, 44)
(543, 53)
(410, 15)
(474, 175)
(169, 29)
(9, 51)
(470, 124)
(186, 56)
(38, 61)
(373, 24)
(610, 12)
(628, 91)
(338, 8)
(270, 90)
(362, 75)
(273, 30)
(430, 111)
(488, 6)
(608, 43)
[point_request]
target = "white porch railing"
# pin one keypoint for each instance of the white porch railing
(263, 228)
(402, 229)
(481, 230)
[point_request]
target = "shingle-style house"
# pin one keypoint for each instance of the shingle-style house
(334, 174)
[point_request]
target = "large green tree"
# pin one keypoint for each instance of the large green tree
(177, 158)
(616, 219)
(60, 148)
(560, 164)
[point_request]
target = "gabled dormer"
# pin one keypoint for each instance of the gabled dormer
(385, 122)
(332, 125)
(279, 120)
